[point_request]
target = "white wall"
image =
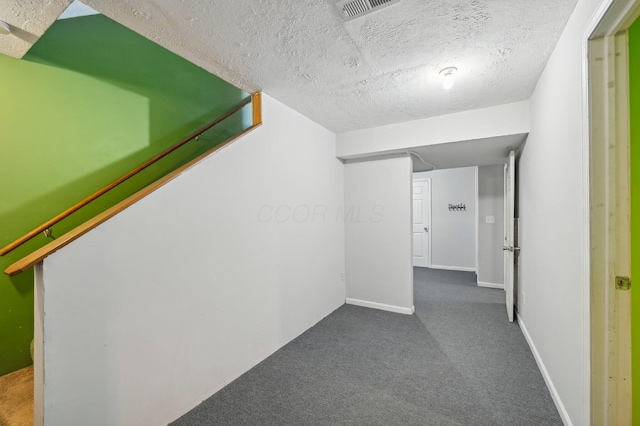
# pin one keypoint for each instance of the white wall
(378, 234)
(38, 354)
(501, 120)
(491, 235)
(554, 288)
(453, 233)
(169, 301)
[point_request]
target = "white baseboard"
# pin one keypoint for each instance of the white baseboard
(490, 285)
(381, 306)
(453, 268)
(545, 374)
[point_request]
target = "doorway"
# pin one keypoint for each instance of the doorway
(459, 223)
(421, 222)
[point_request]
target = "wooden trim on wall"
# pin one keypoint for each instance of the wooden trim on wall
(48, 224)
(610, 243)
(38, 255)
(256, 102)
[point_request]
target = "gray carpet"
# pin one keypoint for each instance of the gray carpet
(456, 362)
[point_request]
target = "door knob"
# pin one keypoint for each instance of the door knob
(426, 229)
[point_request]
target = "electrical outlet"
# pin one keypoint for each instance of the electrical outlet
(344, 276)
(523, 298)
(490, 219)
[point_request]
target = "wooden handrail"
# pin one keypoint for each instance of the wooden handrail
(254, 98)
(55, 245)
(256, 102)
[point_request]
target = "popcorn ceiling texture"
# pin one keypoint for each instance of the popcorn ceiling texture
(29, 19)
(380, 69)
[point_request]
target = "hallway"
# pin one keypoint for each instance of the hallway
(457, 361)
(470, 325)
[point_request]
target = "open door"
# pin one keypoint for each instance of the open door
(509, 247)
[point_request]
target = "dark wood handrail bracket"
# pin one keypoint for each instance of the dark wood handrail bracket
(254, 99)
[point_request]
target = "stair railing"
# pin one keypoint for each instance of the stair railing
(46, 228)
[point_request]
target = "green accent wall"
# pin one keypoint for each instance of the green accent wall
(634, 89)
(89, 102)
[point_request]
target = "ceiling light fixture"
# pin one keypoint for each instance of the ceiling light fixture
(447, 74)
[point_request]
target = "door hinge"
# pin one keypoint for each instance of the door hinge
(623, 283)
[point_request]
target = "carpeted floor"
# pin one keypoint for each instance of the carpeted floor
(457, 361)
(16, 398)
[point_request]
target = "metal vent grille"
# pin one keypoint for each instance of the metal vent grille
(355, 7)
(378, 3)
(352, 9)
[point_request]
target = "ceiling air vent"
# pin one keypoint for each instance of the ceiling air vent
(352, 9)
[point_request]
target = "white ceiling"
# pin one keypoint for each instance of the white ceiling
(28, 20)
(479, 152)
(490, 151)
(379, 69)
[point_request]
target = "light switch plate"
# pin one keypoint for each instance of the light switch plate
(490, 219)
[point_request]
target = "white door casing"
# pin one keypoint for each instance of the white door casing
(610, 230)
(422, 223)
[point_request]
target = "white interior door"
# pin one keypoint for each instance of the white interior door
(509, 234)
(422, 223)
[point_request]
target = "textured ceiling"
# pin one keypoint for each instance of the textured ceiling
(29, 19)
(380, 69)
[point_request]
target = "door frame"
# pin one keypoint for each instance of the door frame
(606, 187)
(428, 180)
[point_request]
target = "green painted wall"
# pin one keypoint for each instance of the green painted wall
(89, 102)
(634, 81)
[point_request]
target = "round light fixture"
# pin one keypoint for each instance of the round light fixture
(4, 28)
(447, 75)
